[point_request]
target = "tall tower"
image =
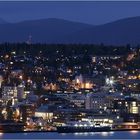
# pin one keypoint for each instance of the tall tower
(29, 41)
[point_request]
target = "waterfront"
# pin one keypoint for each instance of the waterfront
(97, 135)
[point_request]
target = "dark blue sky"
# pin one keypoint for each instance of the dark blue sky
(88, 12)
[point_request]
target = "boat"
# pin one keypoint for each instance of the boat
(82, 126)
(11, 126)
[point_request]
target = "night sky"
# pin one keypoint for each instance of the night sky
(87, 12)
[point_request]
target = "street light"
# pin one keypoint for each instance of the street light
(110, 81)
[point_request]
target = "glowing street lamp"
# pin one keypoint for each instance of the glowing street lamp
(110, 81)
(21, 77)
(77, 81)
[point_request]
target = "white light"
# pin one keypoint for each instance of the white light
(1, 133)
(134, 131)
(109, 81)
(40, 124)
(104, 134)
(80, 125)
(76, 125)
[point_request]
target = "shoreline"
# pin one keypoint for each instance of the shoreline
(54, 131)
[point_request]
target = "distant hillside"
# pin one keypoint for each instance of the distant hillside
(62, 31)
(43, 30)
(119, 32)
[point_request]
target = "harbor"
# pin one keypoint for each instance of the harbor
(70, 127)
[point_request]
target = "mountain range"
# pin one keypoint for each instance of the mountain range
(53, 30)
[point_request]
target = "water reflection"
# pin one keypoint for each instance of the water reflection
(63, 134)
(134, 131)
(104, 134)
(89, 135)
(1, 134)
(81, 133)
(111, 132)
(25, 133)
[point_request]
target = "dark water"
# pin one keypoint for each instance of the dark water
(97, 135)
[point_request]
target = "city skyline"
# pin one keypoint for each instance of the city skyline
(71, 68)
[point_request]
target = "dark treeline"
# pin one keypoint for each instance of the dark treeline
(69, 49)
